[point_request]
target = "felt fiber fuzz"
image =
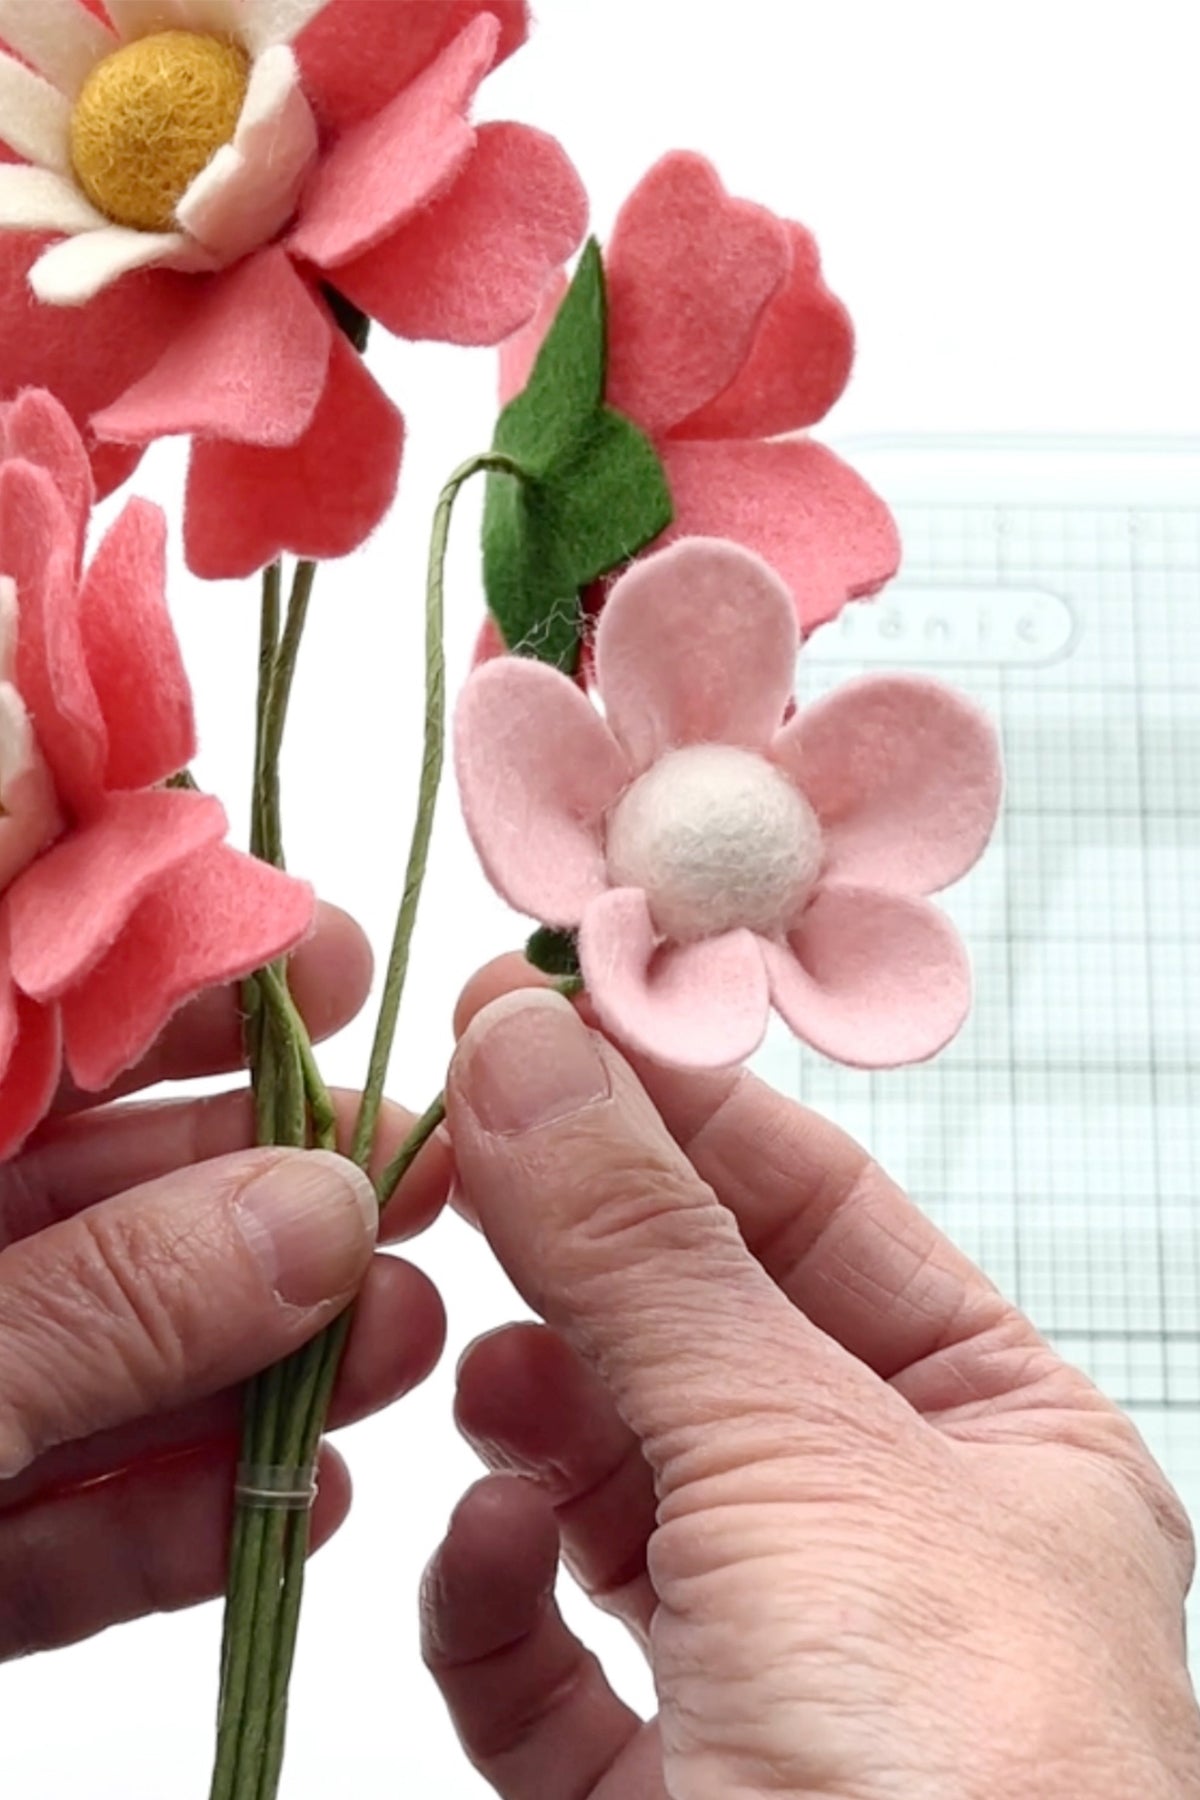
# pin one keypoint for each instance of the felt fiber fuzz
(715, 859)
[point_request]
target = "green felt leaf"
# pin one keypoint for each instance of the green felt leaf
(566, 389)
(593, 494)
(554, 952)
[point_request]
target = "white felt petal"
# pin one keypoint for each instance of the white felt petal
(140, 18)
(60, 38)
(269, 22)
(249, 190)
(75, 271)
(35, 119)
(39, 200)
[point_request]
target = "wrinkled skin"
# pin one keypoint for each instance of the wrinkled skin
(878, 1540)
(132, 1305)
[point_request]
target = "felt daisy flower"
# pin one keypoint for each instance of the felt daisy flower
(715, 861)
(203, 184)
(119, 898)
(725, 346)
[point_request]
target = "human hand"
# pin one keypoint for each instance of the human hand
(141, 1280)
(878, 1540)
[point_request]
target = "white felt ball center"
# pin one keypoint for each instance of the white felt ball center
(717, 838)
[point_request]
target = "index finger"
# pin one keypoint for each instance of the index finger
(842, 1240)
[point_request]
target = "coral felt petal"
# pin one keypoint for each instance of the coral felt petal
(690, 275)
(40, 200)
(216, 920)
(392, 166)
(251, 366)
(30, 1081)
(38, 549)
(69, 908)
(472, 268)
(249, 190)
(696, 1006)
(872, 979)
(133, 655)
(696, 645)
(904, 775)
(799, 364)
(814, 520)
(519, 352)
(35, 119)
(86, 358)
(34, 428)
(359, 54)
(537, 771)
(320, 498)
(60, 38)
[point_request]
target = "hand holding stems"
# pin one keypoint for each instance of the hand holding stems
(120, 1433)
(286, 1408)
(876, 1537)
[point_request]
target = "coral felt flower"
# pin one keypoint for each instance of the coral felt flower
(715, 861)
(724, 343)
(119, 898)
(200, 179)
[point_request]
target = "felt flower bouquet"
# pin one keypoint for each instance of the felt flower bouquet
(206, 208)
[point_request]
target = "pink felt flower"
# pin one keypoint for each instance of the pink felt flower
(162, 282)
(724, 346)
(119, 898)
(715, 861)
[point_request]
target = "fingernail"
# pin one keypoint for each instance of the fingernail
(311, 1221)
(529, 1061)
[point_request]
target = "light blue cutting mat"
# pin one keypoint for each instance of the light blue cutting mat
(1059, 1141)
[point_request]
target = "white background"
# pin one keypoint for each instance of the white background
(1006, 197)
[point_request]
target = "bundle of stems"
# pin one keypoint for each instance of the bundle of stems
(287, 1407)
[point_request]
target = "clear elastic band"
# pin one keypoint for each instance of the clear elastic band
(276, 1489)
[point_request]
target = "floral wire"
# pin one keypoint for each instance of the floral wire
(287, 1018)
(275, 709)
(431, 777)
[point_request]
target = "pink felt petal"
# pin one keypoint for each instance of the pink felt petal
(394, 165)
(321, 498)
(871, 979)
(38, 550)
(251, 367)
(133, 655)
(538, 770)
(904, 775)
(359, 54)
(828, 534)
(88, 355)
(472, 268)
(215, 920)
(800, 362)
(33, 1065)
(697, 645)
(520, 352)
(692, 1006)
(35, 428)
(69, 908)
(690, 275)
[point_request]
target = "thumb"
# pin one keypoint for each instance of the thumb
(608, 1232)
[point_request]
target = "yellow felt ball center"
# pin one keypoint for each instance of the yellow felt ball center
(150, 118)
